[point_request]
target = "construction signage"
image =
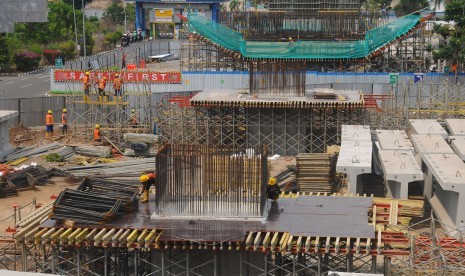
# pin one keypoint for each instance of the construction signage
(142, 76)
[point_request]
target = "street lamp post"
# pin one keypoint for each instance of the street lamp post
(125, 23)
(75, 25)
(83, 29)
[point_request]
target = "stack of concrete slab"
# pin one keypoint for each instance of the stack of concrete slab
(457, 136)
(395, 151)
(355, 156)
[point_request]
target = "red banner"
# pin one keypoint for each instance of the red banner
(138, 76)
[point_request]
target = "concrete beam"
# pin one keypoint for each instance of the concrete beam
(355, 156)
(393, 140)
(428, 127)
(458, 145)
(426, 143)
(456, 126)
(448, 201)
(400, 168)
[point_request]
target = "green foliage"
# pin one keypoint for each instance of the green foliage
(35, 47)
(114, 37)
(130, 12)
(376, 4)
(444, 30)
(77, 4)
(115, 13)
(53, 157)
(50, 55)
(68, 49)
(27, 61)
(93, 19)
(455, 11)
(5, 54)
(409, 6)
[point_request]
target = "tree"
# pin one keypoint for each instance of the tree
(115, 13)
(438, 3)
(409, 6)
(77, 3)
(234, 5)
(455, 11)
(5, 54)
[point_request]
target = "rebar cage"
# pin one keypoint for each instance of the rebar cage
(211, 181)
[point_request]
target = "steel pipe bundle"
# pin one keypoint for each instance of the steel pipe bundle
(127, 194)
(140, 138)
(65, 153)
(95, 151)
(32, 151)
(85, 207)
(146, 153)
(123, 168)
(34, 175)
(139, 146)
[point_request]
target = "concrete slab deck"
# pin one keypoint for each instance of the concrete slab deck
(426, 143)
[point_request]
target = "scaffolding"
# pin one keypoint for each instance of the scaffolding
(112, 113)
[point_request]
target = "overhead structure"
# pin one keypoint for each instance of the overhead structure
(12, 12)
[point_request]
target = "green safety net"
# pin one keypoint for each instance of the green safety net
(232, 40)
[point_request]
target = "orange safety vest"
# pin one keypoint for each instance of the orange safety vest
(117, 83)
(86, 81)
(102, 83)
(63, 118)
(96, 134)
(49, 119)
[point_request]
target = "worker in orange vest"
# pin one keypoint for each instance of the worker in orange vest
(86, 84)
(102, 83)
(49, 124)
(97, 133)
(64, 122)
(147, 180)
(133, 120)
(118, 86)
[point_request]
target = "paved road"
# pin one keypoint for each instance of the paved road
(38, 84)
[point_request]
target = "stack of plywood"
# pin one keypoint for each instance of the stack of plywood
(316, 172)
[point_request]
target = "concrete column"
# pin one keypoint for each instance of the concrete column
(215, 11)
(139, 10)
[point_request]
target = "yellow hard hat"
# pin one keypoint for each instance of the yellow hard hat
(64, 110)
(116, 75)
(87, 73)
(272, 181)
(144, 178)
(133, 111)
(97, 126)
(49, 111)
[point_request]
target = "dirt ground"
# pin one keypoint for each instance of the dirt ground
(42, 194)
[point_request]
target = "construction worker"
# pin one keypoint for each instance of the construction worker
(49, 124)
(97, 133)
(147, 180)
(102, 83)
(118, 86)
(86, 83)
(272, 189)
(64, 122)
(133, 120)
